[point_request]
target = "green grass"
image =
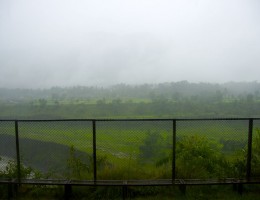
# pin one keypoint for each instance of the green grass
(114, 138)
(119, 142)
(122, 138)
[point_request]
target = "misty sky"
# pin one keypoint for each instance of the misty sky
(45, 43)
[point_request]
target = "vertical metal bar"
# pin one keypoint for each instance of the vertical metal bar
(124, 192)
(18, 165)
(240, 188)
(249, 149)
(94, 151)
(173, 150)
(67, 191)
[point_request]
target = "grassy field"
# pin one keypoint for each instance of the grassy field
(119, 142)
(131, 150)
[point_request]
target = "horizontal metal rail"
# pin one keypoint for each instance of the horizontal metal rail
(157, 182)
(130, 119)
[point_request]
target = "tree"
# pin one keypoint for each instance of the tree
(199, 157)
(152, 148)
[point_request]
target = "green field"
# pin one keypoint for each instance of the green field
(125, 149)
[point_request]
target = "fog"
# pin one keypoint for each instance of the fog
(45, 43)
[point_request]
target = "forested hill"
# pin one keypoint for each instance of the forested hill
(165, 100)
(173, 90)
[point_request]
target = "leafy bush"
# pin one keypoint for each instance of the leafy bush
(256, 154)
(11, 171)
(76, 168)
(240, 163)
(153, 147)
(199, 157)
(79, 170)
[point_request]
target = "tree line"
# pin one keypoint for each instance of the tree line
(179, 99)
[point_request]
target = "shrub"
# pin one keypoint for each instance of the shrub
(152, 148)
(256, 154)
(76, 169)
(11, 171)
(199, 157)
(240, 164)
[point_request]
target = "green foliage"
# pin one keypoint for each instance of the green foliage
(152, 147)
(76, 168)
(199, 157)
(256, 154)
(239, 165)
(180, 99)
(11, 171)
(230, 145)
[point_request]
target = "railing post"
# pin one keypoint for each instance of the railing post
(94, 151)
(249, 149)
(18, 165)
(173, 150)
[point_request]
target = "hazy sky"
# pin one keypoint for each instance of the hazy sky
(46, 43)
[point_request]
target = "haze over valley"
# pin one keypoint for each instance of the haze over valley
(59, 43)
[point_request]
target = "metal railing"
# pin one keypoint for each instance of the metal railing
(130, 149)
